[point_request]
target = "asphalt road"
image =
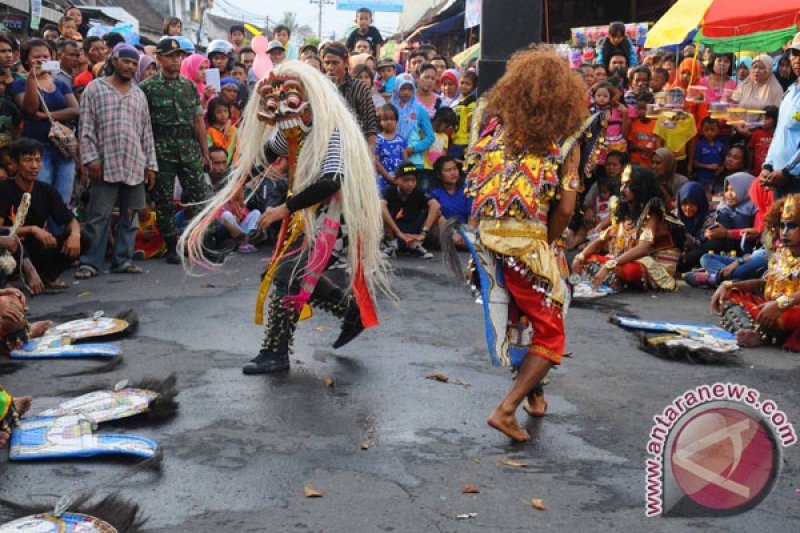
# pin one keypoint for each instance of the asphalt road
(242, 448)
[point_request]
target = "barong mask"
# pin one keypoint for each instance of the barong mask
(284, 103)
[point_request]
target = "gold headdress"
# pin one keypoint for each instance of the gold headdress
(626, 174)
(791, 208)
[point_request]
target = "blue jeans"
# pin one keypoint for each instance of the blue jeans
(751, 269)
(102, 198)
(57, 171)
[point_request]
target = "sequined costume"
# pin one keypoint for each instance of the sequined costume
(657, 269)
(512, 199)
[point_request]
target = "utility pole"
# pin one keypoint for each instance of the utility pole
(320, 3)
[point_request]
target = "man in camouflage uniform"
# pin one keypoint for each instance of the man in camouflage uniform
(176, 114)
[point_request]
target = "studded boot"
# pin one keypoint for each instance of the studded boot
(278, 338)
(345, 309)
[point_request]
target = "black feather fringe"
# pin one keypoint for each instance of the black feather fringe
(165, 405)
(656, 345)
(120, 513)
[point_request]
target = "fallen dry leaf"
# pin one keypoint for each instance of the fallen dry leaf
(365, 444)
(566, 354)
(328, 381)
(538, 504)
(546, 381)
(208, 286)
(84, 293)
(311, 492)
(470, 489)
(462, 383)
(320, 329)
(465, 516)
(438, 377)
(513, 464)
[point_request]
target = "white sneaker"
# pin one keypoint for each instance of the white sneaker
(420, 251)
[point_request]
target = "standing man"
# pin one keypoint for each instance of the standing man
(335, 59)
(236, 35)
(69, 56)
(781, 168)
(176, 115)
(118, 150)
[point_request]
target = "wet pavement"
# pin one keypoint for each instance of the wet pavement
(242, 448)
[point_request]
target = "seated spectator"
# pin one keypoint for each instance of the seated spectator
(51, 234)
(697, 217)
(735, 161)
(642, 246)
(218, 170)
(220, 129)
(237, 223)
(593, 218)
(408, 214)
(149, 242)
(733, 232)
(676, 130)
(449, 193)
(665, 168)
(389, 147)
(706, 155)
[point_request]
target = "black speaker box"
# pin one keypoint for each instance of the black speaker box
(506, 26)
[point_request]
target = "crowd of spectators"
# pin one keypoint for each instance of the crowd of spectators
(116, 144)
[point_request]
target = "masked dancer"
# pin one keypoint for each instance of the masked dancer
(297, 113)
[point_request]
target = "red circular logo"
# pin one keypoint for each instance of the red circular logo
(724, 459)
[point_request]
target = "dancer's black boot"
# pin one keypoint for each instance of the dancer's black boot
(279, 334)
(344, 308)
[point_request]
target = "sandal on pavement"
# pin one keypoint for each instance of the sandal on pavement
(55, 285)
(85, 272)
(128, 269)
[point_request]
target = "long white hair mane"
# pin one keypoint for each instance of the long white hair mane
(361, 206)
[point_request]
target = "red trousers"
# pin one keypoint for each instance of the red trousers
(547, 320)
(631, 272)
(789, 320)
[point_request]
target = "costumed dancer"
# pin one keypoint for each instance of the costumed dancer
(10, 410)
(524, 184)
(297, 113)
(766, 311)
(642, 246)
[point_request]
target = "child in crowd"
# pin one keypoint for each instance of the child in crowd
(676, 130)
(389, 147)
(365, 31)
(707, 154)
(732, 233)
(464, 109)
(387, 70)
(449, 193)
(9, 114)
(761, 138)
(149, 242)
(449, 84)
(642, 142)
(408, 214)
(221, 131)
(659, 80)
(238, 223)
(639, 84)
(606, 100)
(229, 93)
(445, 123)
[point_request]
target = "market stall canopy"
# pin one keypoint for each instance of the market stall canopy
(678, 22)
(732, 25)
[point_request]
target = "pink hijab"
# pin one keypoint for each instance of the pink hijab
(189, 69)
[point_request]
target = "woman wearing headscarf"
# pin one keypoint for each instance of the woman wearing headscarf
(450, 93)
(413, 123)
(733, 233)
(193, 68)
(665, 168)
(690, 72)
(783, 71)
(696, 216)
(761, 88)
(147, 67)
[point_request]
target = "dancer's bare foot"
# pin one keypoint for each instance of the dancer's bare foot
(748, 338)
(507, 424)
(535, 405)
(22, 404)
(40, 328)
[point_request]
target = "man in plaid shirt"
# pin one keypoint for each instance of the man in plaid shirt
(118, 151)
